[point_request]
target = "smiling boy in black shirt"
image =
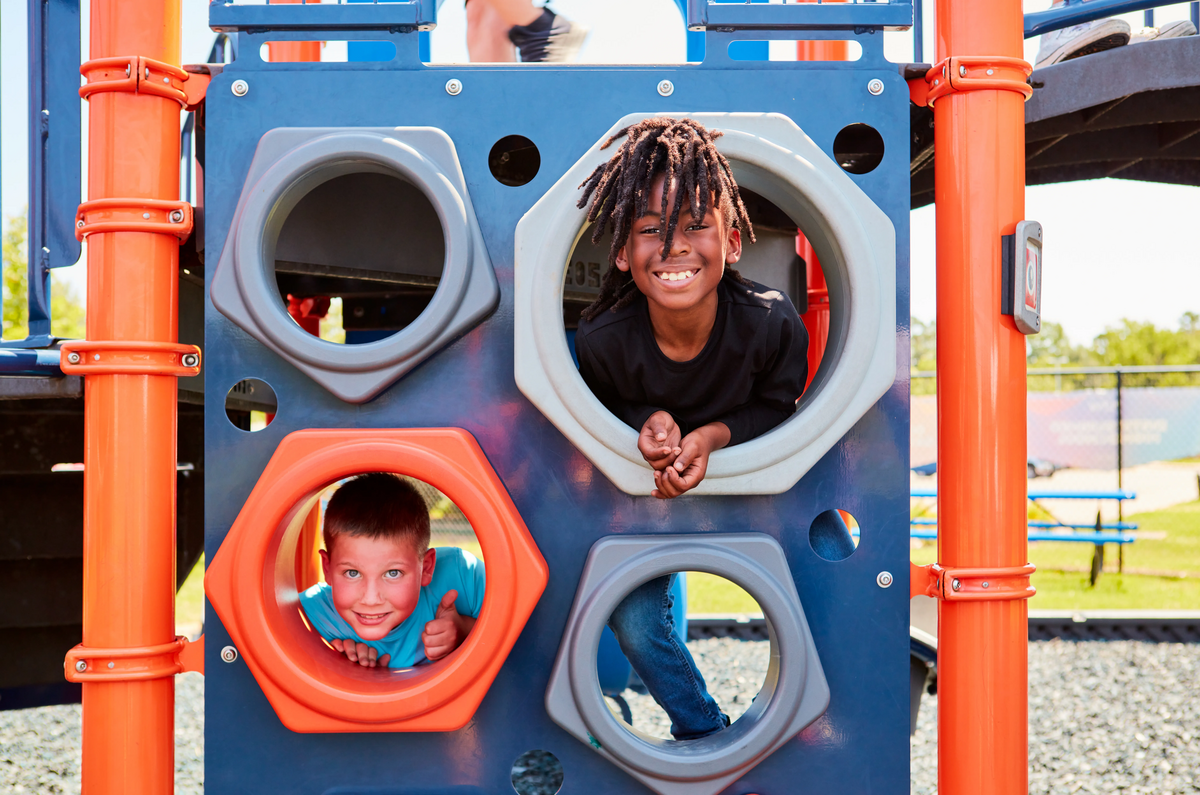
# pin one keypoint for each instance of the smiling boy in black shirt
(678, 345)
(685, 350)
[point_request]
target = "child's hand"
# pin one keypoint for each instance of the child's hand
(447, 630)
(361, 653)
(691, 464)
(659, 440)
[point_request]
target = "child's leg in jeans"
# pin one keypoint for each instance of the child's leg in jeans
(830, 537)
(645, 630)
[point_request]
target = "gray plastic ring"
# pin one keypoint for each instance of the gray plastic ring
(762, 726)
(285, 183)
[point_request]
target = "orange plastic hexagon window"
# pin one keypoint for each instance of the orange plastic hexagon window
(251, 583)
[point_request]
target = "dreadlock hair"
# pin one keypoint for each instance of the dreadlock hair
(685, 151)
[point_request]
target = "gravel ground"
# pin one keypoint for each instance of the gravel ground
(1118, 716)
(39, 748)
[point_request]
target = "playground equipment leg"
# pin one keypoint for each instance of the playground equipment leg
(980, 183)
(130, 426)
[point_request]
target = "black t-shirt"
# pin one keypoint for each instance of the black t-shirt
(749, 374)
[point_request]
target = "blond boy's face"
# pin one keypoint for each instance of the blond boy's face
(375, 582)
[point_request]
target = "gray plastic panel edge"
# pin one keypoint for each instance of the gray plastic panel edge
(356, 373)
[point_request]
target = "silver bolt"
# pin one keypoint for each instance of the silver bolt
(962, 71)
(73, 357)
(884, 579)
(454, 86)
(146, 216)
(991, 71)
(79, 224)
(985, 584)
(190, 360)
(875, 87)
(96, 356)
(166, 80)
(176, 216)
(956, 585)
(666, 88)
(240, 88)
(229, 654)
(80, 665)
(111, 665)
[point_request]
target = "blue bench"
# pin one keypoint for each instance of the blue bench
(1100, 533)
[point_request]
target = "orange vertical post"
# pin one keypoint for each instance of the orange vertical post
(130, 419)
(816, 318)
(291, 51)
(980, 195)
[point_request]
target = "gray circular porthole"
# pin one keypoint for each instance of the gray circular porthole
(855, 241)
(793, 695)
(291, 163)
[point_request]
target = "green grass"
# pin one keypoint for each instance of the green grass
(1061, 588)
(708, 593)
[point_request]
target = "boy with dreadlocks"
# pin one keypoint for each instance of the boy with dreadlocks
(683, 349)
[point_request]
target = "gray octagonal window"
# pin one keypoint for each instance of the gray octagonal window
(379, 218)
(856, 244)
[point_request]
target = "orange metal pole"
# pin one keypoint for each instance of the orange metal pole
(980, 185)
(130, 420)
(292, 51)
(816, 319)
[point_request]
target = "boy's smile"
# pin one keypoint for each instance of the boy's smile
(700, 249)
(375, 582)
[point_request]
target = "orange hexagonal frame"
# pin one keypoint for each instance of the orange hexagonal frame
(251, 583)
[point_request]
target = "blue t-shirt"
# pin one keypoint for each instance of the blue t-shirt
(454, 570)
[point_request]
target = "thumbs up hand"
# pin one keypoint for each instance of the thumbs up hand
(447, 630)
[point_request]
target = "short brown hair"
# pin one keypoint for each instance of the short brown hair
(378, 505)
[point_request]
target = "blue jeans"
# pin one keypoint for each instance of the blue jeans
(645, 630)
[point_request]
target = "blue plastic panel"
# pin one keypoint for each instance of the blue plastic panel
(861, 631)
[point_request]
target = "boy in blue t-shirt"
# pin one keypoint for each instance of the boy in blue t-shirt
(388, 599)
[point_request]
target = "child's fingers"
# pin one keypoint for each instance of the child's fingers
(446, 607)
(337, 645)
(384, 660)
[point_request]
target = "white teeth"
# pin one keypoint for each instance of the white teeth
(675, 277)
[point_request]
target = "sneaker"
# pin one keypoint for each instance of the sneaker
(1078, 40)
(549, 39)
(1171, 30)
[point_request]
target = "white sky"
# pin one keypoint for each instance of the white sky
(1147, 266)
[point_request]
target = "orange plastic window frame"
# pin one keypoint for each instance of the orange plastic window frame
(251, 583)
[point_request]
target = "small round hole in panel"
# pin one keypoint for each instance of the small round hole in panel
(514, 160)
(690, 699)
(858, 148)
(251, 404)
(834, 535)
(359, 257)
(537, 773)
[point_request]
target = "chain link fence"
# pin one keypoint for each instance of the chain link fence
(1103, 418)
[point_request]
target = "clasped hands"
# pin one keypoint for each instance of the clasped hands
(679, 463)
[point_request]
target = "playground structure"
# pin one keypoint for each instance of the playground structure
(538, 469)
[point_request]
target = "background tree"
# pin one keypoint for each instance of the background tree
(68, 315)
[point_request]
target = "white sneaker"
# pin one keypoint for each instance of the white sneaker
(1172, 30)
(1078, 40)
